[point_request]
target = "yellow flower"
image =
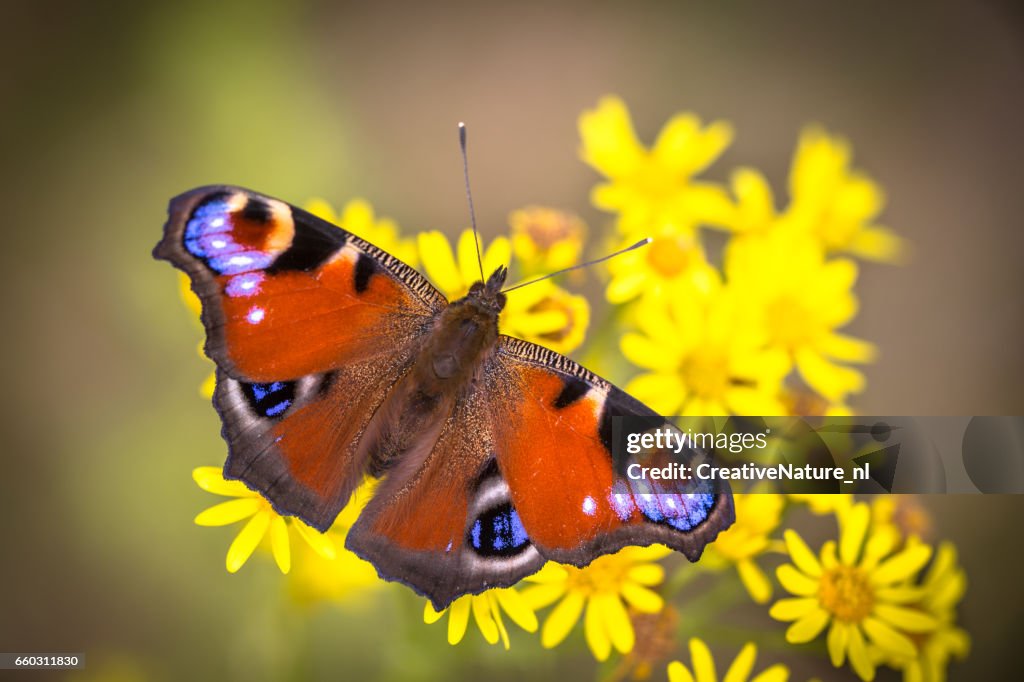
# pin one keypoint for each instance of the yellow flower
(191, 302)
(345, 577)
(653, 188)
(703, 358)
(357, 217)
(452, 274)
(823, 503)
(942, 589)
(545, 240)
(755, 204)
(316, 578)
(836, 204)
(904, 513)
(545, 313)
(757, 516)
(672, 265)
(541, 313)
(802, 299)
(487, 612)
(806, 403)
(249, 504)
(858, 589)
(739, 671)
(601, 588)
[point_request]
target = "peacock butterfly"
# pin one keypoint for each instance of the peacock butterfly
(336, 360)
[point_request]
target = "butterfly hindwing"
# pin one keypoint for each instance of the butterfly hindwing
(309, 326)
(442, 521)
(554, 448)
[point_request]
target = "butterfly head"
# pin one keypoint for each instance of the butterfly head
(488, 295)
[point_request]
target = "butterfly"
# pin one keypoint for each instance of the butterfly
(335, 360)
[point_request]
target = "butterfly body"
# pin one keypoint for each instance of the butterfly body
(449, 364)
(336, 360)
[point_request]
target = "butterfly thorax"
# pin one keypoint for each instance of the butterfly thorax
(464, 334)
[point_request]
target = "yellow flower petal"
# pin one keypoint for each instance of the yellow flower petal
(229, 512)
(497, 254)
(847, 348)
(279, 545)
(430, 615)
(910, 620)
(641, 598)
(801, 554)
(207, 388)
(458, 619)
(677, 672)
(795, 581)
(859, 658)
(211, 479)
(879, 243)
(776, 673)
(545, 594)
(829, 559)
(245, 543)
(741, 668)
(647, 574)
(901, 566)
(754, 579)
(321, 208)
(616, 620)
(561, 620)
(500, 623)
(648, 354)
(469, 266)
(595, 633)
(484, 620)
(702, 662)
(900, 594)
(793, 609)
(808, 627)
(887, 638)
(838, 639)
(439, 262)
(832, 381)
(320, 542)
(855, 525)
(664, 393)
(625, 287)
(609, 143)
(517, 609)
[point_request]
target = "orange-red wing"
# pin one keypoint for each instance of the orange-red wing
(286, 294)
(309, 325)
(296, 442)
(553, 440)
(442, 521)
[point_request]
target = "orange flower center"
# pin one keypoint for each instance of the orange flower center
(912, 518)
(604, 574)
(669, 257)
(550, 303)
(846, 593)
(546, 227)
(706, 373)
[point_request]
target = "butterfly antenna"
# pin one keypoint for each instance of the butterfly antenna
(642, 242)
(469, 197)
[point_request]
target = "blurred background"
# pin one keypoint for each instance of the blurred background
(112, 108)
